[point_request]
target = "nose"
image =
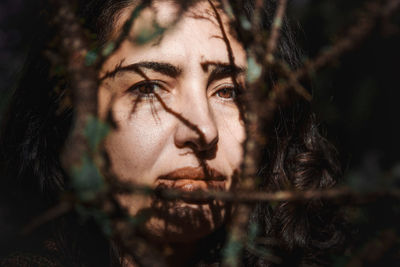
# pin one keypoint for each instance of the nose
(196, 128)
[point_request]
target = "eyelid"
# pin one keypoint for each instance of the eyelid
(136, 86)
(237, 87)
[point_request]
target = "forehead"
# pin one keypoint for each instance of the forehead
(197, 34)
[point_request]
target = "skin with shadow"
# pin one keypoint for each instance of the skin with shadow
(178, 125)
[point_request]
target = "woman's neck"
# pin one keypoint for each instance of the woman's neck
(176, 254)
(179, 254)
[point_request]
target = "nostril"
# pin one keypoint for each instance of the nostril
(201, 144)
(208, 153)
(210, 144)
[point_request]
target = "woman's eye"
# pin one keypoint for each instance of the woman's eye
(146, 88)
(227, 93)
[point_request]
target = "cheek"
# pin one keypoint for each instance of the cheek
(231, 137)
(135, 146)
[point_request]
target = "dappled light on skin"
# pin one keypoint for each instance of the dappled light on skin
(177, 121)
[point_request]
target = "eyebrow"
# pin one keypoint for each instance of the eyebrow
(222, 70)
(219, 70)
(161, 67)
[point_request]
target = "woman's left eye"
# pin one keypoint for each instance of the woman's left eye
(227, 93)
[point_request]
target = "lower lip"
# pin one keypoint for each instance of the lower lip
(190, 185)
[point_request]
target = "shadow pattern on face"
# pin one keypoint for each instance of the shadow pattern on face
(179, 219)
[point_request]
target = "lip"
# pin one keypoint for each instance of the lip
(190, 179)
(194, 173)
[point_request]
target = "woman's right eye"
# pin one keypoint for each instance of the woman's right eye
(146, 88)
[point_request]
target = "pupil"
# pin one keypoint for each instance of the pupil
(147, 88)
(225, 93)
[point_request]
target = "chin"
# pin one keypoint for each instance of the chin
(181, 222)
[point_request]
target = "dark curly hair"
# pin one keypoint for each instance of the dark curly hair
(296, 157)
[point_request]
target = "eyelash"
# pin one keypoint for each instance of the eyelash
(236, 90)
(143, 84)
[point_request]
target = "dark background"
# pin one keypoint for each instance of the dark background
(357, 100)
(358, 96)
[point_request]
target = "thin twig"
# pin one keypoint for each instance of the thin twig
(275, 29)
(292, 81)
(343, 195)
(237, 231)
(358, 32)
(242, 196)
(83, 82)
(112, 46)
(49, 215)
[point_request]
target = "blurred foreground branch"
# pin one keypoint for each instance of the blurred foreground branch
(341, 195)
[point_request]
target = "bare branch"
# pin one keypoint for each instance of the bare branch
(112, 46)
(49, 215)
(248, 197)
(83, 82)
(275, 28)
(358, 32)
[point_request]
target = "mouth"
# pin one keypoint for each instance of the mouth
(189, 179)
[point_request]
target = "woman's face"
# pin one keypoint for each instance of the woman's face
(178, 125)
